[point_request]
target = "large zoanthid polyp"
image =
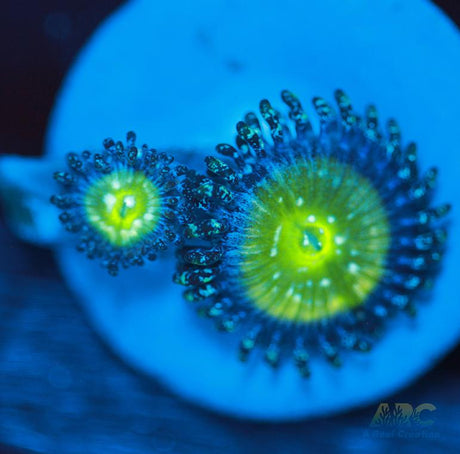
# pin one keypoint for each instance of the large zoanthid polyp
(311, 241)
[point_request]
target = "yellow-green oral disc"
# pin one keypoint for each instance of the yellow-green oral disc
(123, 206)
(315, 243)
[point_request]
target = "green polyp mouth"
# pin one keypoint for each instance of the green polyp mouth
(312, 240)
(301, 241)
(123, 206)
(315, 242)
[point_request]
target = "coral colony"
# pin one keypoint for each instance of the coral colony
(308, 241)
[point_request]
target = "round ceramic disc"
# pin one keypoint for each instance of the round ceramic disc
(181, 74)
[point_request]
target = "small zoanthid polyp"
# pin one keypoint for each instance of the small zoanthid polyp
(122, 202)
(310, 242)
